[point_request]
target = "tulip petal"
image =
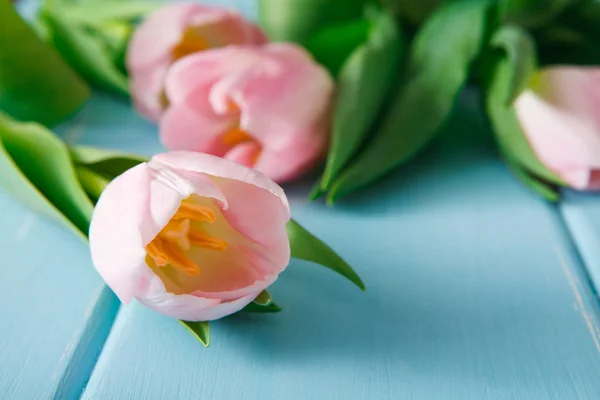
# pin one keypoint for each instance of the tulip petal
(562, 123)
(123, 224)
(223, 27)
(258, 207)
(245, 153)
(195, 127)
(154, 38)
(147, 90)
(184, 79)
(285, 104)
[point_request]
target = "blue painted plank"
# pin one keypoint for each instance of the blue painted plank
(581, 212)
(474, 292)
(55, 311)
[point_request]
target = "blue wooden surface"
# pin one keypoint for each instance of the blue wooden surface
(55, 311)
(476, 290)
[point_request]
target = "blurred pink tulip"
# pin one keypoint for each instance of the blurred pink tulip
(172, 32)
(560, 115)
(265, 107)
(190, 235)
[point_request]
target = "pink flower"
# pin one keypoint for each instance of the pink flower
(560, 116)
(190, 235)
(265, 107)
(172, 32)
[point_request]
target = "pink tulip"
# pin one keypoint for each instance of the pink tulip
(172, 32)
(190, 235)
(264, 107)
(560, 116)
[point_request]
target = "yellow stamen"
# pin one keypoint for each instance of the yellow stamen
(195, 212)
(171, 246)
(199, 239)
(179, 261)
(236, 136)
(191, 42)
(156, 251)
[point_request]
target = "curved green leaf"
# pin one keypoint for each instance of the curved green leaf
(439, 63)
(108, 163)
(45, 92)
(201, 330)
(500, 86)
(37, 169)
(298, 20)
(262, 304)
(85, 52)
(520, 49)
(363, 86)
(92, 182)
(95, 12)
(544, 190)
(307, 247)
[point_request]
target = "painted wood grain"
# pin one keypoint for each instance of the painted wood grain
(581, 212)
(474, 292)
(55, 312)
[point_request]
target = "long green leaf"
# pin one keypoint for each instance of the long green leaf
(92, 182)
(363, 86)
(35, 83)
(520, 50)
(201, 330)
(544, 190)
(439, 64)
(307, 247)
(500, 87)
(298, 20)
(109, 163)
(101, 11)
(37, 170)
(85, 52)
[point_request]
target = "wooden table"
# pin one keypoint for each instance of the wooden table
(477, 289)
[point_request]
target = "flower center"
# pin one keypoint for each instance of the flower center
(238, 136)
(181, 234)
(191, 42)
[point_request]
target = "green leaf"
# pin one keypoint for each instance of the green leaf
(363, 86)
(500, 75)
(332, 45)
(35, 83)
(96, 12)
(262, 304)
(109, 163)
(307, 247)
(85, 52)
(201, 330)
(544, 190)
(36, 168)
(316, 191)
(92, 182)
(520, 50)
(440, 58)
(298, 20)
(533, 13)
(263, 299)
